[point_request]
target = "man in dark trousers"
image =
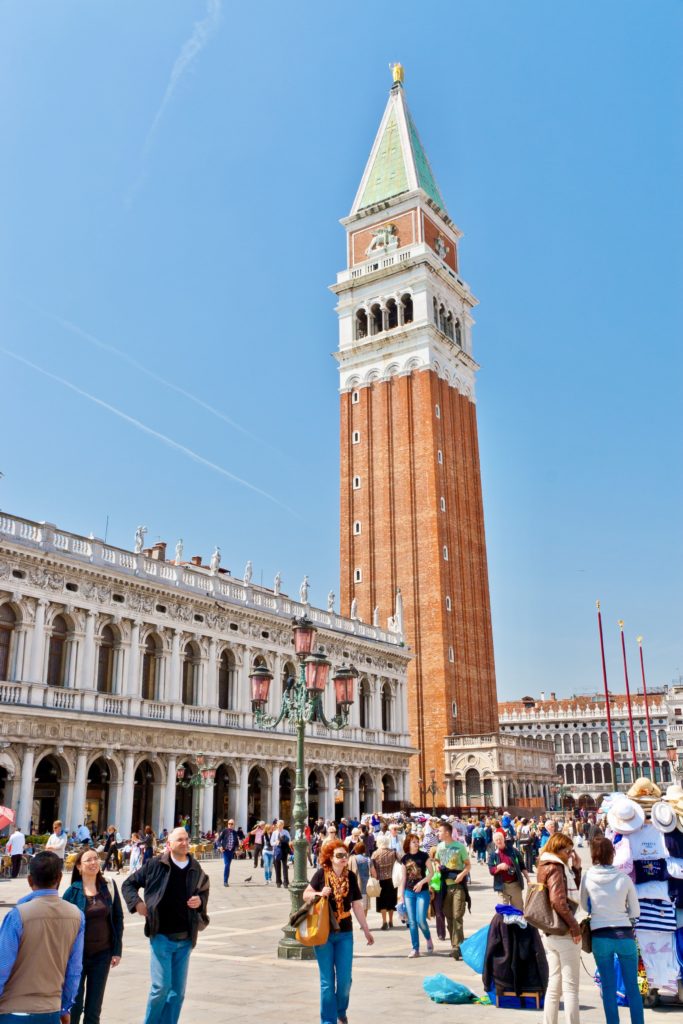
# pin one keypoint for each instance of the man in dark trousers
(41, 950)
(228, 841)
(174, 908)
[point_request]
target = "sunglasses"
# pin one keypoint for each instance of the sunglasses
(341, 856)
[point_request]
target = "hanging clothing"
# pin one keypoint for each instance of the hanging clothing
(657, 916)
(658, 951)
(515, 959)
(648, 847)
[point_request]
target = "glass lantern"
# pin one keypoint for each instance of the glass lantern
(304, 635)
(260, 686)
(317, 669)
(343, 685)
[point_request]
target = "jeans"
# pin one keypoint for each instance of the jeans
(604, 950)
(334, 963)
(564, 965)
(454, 905)
(227, 864)
(30, 1018)
(268, 863)
(93, 982)
(417, 905)
(169, 963)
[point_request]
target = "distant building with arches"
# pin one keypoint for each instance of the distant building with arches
(577, 729)
(117, 668)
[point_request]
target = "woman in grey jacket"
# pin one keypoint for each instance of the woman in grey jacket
(609, 896)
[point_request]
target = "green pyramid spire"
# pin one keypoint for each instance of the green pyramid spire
(398, 162)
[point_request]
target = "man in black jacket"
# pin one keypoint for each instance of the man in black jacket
(174, 908)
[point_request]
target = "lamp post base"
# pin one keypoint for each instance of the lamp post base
(289, 949)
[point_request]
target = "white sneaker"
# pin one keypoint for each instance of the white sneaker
(413, 953)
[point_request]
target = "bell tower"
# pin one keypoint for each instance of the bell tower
(411, 503)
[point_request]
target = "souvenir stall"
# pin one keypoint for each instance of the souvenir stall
(647, 831)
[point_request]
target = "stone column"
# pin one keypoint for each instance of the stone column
(80, 789)
(243, 694)
(211, 694)
(331, 786)
(133, 679)
(174, 682)
(497, 793)
(26, 789)
(243, 797)
(16, 671)
(274, 794)
(169, 794)
(354, 795)
(35, 673)
(86, 675)
(377, 705)
(126, 806)
(206, 808)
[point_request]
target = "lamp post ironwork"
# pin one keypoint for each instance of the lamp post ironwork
(201, 779)
(302, 702)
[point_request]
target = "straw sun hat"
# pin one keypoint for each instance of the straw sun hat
(625, 816)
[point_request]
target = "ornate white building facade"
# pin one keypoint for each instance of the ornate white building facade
(119, 667)
(577, 728)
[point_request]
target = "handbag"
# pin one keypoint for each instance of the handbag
(373, 888)
(586, 935)
(539, 912)
(397, 874)
(314, 930)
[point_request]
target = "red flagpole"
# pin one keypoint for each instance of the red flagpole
(647, 708)
(607, 707)
(628, 698)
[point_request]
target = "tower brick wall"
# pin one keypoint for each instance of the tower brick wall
(401, 544)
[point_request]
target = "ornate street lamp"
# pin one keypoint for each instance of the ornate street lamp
(302, 702)
(201, 779)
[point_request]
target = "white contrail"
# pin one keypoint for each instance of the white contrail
(202, 31)
(106, 347)
(149, 430)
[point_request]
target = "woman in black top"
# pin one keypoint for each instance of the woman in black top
(414, 892)
(100, 902)
(334, 880)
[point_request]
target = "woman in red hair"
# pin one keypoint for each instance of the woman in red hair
(334, 880)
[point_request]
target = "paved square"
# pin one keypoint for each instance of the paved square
(235, 972)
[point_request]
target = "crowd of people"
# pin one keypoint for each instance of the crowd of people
(416, 869)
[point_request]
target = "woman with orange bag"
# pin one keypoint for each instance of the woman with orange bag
(334, 880)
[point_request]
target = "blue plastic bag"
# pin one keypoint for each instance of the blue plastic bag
(444, 990)
(473, 949)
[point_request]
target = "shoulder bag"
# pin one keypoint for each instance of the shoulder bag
(397, 874)
(539, 912)
(314, 929)
(373, 888)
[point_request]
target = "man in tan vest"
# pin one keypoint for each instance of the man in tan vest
(41, 950)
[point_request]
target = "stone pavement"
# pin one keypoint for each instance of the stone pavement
(235, 972)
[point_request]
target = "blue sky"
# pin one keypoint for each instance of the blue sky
(172, 182)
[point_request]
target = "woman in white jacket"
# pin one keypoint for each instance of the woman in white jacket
(610, 898)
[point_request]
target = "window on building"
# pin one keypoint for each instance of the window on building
(357, 576)
(623, 742)
(604, 741)
(451, 654)
(586, 743)
(392, 314)
(437, 411)
(445, 553)
(595, 743)
(105, 661)
(364, 703)
(190, 687)
(56, 658)
(454, 709)
(458, 333)
(376, 319)
(151, 660)
(386, 708)
(356, 483)
(435, 311)
(356, 527)
(588, 774)
(355, 397)
(662, 739)
(407, 305)
(439, 456)
(361, 324)
(227, 682)
(448, 603)
(576, 743)
(642, 739)
(355, 437)
(442, 504)
(8, 621)
(597, 773)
